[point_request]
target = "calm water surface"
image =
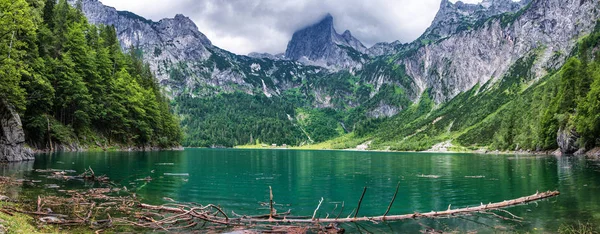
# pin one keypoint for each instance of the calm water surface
(239, 181)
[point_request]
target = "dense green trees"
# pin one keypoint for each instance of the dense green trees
(588, 111)
(234, 119)
(17, 32)
(229, 120)
(72, 83)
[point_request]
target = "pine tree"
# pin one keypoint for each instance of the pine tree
(17, 32)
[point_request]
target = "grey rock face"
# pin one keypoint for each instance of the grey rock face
(12, 137)
(168, 41)
(384, 48)
(548, 28)
(185, 61)
(452, 18)
(280, 56)
(567, 141)
(321, 45)
(384, 110)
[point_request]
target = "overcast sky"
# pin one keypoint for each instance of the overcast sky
(244, 26)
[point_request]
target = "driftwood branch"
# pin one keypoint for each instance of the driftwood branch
(319, 206)
(271, 203)
(360, 201)
(392, 202)
(433, 214)
(342, 210)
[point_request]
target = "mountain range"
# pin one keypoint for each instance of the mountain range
(331, 82)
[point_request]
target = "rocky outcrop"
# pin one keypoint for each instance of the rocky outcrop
(567, 141)
(384, 48)
(321, 45)
(547, 28)
(12, 137)
(280, 56)
(165, 43)
(452, 18)
(383, 110)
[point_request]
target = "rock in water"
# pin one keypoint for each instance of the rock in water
(12, 137)
(567, 141)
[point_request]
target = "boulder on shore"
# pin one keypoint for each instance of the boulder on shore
(567, 141)
(12, 137)
(595, 152)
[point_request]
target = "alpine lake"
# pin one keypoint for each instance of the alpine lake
(239, 180)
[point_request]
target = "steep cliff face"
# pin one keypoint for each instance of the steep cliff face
(321, 45)
(548, 28)
(453, 18)
(186, 62)
(12, 137)
(165, 43)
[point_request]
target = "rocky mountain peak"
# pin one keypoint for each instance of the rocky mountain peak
(182, 26)
(327, 20)
(165, 42)
(455, 17)
(320, 44)
(347, 34)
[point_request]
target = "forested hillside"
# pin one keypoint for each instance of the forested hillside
(562, 110)
(73, 85)
(229, 120)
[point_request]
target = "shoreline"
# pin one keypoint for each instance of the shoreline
(106, 149)
(591, 153)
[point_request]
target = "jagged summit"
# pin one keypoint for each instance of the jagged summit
(320, 44)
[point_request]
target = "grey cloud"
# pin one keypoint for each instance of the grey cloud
(243, 26)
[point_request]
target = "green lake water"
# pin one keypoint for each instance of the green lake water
(239, 181)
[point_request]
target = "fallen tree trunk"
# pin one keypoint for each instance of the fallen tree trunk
(433, 214)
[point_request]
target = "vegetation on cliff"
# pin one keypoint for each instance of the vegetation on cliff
(514, 113)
